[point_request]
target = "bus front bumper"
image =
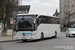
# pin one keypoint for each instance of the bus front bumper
(28, 37)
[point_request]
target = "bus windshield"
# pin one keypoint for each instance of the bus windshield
(25, 23)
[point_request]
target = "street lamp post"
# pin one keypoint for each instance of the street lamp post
(69, 19)
(12, 31)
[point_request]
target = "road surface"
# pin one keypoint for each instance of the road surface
(60, 43)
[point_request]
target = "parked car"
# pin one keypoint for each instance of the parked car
(70, 32)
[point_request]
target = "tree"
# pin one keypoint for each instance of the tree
(6, 9)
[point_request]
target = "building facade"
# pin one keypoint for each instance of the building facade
(72, 17)
(66, 7)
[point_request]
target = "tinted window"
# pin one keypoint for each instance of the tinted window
(48, 20)
(25, 23)
(55, 20)
(43, 19)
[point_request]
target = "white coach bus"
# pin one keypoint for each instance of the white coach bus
(34, 26)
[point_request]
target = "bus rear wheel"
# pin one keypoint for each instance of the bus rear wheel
(55, 34)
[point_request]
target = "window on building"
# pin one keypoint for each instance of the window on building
(66, 13)
(64, 9)
(64, 5)
(72, 5)
(68, 6)
(68, 1)
(72, 1)
(66, 17)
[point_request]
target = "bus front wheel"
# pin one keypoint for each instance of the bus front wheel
(42, 36)
(24, 40)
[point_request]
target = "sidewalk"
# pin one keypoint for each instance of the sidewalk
(7, 38)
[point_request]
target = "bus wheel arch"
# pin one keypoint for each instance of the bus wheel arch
(42, 36)
(55, 34)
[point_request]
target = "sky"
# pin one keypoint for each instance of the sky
(42, 6)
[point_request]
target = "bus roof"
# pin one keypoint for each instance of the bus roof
(40, 15)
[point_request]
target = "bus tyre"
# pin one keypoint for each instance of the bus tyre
(55, 34)
(24, 40)
(42, 36)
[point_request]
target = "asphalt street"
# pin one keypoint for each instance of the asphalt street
(60, 43)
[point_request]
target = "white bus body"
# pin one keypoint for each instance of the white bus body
(44, 30)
